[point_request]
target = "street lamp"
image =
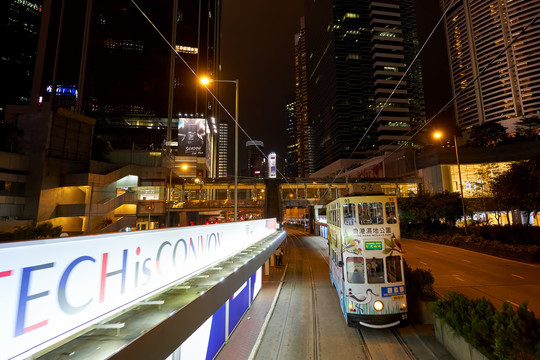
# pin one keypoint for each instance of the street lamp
(438, 135)
(205, 81)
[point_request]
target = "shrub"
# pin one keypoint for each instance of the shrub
(419, 283)
(505, 334)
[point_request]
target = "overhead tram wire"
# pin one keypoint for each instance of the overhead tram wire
(199, 80)
(402, 77)
(462, 91)
(392, 93)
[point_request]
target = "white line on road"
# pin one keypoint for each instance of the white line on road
(467, 261)
(513, 303)
(436, 252)
(457, 277)
(423, 263)
(519, 277)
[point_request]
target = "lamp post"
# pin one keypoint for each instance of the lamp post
(438, 135)
(205, 81)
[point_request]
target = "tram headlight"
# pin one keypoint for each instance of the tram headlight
(378, 305)
(403, 307)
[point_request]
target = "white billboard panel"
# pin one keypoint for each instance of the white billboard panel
(52, 289)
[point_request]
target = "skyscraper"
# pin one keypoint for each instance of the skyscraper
(508, 85)
(19, 29)
(356, 56)
(291, 158)
(255, 159)
(304, 154)
(122, 78)
(223, 142)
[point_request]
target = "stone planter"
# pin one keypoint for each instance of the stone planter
(455, 344)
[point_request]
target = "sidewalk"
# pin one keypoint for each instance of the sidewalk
(245, 335)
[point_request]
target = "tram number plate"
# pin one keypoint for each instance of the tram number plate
(398, 297)
(373, 245)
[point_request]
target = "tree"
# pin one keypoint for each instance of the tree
(487, 134)
(431, 209)
(519, 187)
(41, 231)
(529, 127)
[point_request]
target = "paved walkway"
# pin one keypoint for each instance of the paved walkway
(245, 335)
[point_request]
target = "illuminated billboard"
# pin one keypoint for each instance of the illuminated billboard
(272, 165)
(54, 288)
(191, 136)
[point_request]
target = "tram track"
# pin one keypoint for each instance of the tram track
(370, 341)
(293, 280)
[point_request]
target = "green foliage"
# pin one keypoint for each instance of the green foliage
(528, 126)
(430, 209)
(519, 187)
(43, 230)
(419, 283)
(488, 134)
(505, 334)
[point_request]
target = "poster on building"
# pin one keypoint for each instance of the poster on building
(272, 165)
(191, 136)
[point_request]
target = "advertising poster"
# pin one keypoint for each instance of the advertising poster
(191, 137)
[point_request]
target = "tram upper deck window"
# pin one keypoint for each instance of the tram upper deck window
(375, 271)
(349, 214)
(390, 208)
(393, 269)
(370, 213)
(355, 270)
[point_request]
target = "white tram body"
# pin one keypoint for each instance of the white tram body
(366, 265)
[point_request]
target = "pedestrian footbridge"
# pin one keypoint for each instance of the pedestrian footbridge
(157, 294)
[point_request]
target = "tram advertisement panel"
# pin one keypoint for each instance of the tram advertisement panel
(54, 288)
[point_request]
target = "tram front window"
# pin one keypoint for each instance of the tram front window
(370, 213)
(349, 214)
(375, 271)
(393, 268)
(355, 270)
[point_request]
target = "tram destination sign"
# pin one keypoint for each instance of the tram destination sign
(373, 245)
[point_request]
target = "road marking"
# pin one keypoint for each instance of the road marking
(467, 261)
(519, 277)
(513, 303)
(421, 262)
(436, 252)
(457, 277)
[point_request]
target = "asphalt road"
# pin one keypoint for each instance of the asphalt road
(476, 275)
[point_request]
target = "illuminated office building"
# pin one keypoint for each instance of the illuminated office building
(223, 141)
(508, 85)
(357, 52)
(255, 159)
(304, 154)
(291, 157)
(19, 26)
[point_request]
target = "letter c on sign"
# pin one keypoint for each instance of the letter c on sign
(62, 300)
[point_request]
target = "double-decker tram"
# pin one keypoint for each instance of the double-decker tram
(366, 265)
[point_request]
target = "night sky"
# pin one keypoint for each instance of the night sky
(258, 49)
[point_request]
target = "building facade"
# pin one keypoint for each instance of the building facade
(303, 146)
(357, 54)
(494, 77)
(256, 161)
(19, 26)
